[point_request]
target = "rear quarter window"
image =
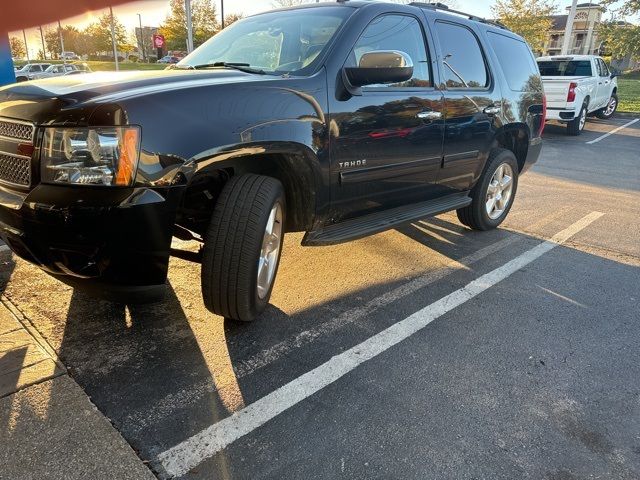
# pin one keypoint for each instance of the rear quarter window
(516, 60)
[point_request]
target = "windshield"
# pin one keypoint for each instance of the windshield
(565, 68)
(276, 42)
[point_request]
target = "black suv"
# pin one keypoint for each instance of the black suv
(340, 120)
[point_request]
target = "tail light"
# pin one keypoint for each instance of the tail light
(543, 118)
(571, 96)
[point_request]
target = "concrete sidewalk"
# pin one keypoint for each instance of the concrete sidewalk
(49, 429)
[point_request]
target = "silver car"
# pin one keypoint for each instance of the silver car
(31, 71)
(65, 69)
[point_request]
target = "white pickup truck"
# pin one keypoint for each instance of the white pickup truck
(576, 86)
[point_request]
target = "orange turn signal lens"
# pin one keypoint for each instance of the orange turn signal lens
(129, 144)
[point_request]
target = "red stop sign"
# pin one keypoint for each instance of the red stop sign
(158, 41)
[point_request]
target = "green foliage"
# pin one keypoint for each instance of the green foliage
(100, 34)
(17, 47)
(529, 18)
(620, 40)
(174, 28)
(628, 7)
(232, 18)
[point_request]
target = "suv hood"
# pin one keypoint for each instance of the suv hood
(42, 101)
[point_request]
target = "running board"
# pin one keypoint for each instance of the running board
(380, 221)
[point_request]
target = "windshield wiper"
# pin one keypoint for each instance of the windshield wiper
(243, 67)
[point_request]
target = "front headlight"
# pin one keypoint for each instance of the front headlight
(90, 156)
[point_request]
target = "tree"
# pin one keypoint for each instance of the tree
(100, 34)
(530, 19)
(17, 48)
(621, 38)
(52, 42)
(204, 24)
(232, 18)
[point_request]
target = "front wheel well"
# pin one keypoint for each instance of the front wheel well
(293, 171)
(517, 141)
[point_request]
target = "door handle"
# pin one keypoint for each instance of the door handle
(429, 115)
(492, 110)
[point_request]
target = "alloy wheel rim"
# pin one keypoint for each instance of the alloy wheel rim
(583, 118)
(269, 251)
(611, 107)
(499, 191)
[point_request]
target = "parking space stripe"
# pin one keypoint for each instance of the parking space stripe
(283, 348)
(181, 458)
(602, 137)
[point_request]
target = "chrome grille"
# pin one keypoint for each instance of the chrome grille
(18, 131)
(15, 170)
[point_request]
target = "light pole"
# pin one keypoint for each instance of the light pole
(222, 13)
(26, 47)
(61, 42)
(44, 49)
(568, 29)
(113, 40)
(144, 54)
(187, 10)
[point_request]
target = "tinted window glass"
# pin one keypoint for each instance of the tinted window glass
(565, 68)
(277, 42)
(604, 70)
(462, 57)
(396, 32)
(515, 59)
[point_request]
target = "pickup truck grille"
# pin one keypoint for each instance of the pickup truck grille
(17, 131)
(15, 169)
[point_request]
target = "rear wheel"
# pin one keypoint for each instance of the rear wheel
(575, 126)
(493, 195)
(242, 247)
(610, 109)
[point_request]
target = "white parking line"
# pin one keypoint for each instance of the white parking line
(181, 458)
(602, 137)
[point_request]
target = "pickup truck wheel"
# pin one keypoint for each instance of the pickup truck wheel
(493, 195)
(242, 247)
(610, 109)
(575, 126)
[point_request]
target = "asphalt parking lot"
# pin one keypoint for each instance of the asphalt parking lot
(426, 352)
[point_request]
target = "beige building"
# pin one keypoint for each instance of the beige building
(584, 36)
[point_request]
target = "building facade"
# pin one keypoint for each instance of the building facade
(584, 35)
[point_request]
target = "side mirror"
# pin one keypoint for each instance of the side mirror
(614, 74)
(379, 67)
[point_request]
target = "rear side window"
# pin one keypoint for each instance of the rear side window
(515, 59)
(464, 65)
(565, 68)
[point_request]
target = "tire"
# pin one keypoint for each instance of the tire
(233, 247)
(606, 112)
(575, 126)
(476, 216)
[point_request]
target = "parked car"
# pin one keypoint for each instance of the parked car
(69, 56)
(576, 86)
(31, 71)
(65, 69)
(169, 59)
(340, 120)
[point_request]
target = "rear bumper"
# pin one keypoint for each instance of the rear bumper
(564, 115)
(113, 243)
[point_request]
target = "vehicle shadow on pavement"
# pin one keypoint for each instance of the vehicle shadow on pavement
(130, 357)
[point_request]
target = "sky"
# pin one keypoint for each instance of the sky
(153, 12)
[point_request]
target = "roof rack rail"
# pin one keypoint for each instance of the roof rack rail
(441, 6)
